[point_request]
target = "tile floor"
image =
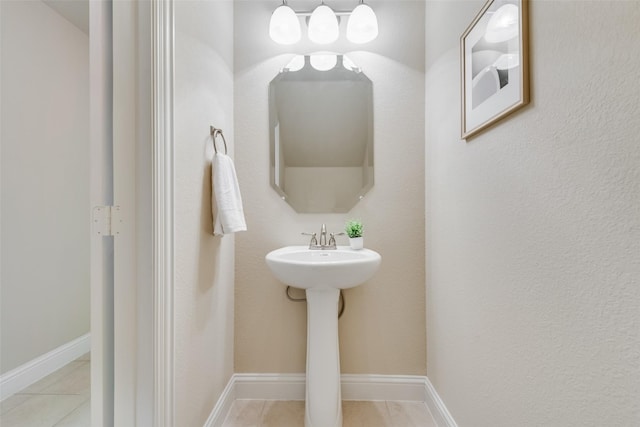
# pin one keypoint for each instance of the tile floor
(278, 413)
(61, 399)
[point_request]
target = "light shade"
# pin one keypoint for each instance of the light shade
(363, 25)
(323, 61)
(296, 64)
(503, 25)
(284, 27)
(323, 25)
(349, 65)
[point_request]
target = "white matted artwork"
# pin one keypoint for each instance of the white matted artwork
(494, 64)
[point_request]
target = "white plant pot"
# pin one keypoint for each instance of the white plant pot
(356, 243)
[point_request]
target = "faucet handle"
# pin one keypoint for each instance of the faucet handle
(314, 240)
(332, 238)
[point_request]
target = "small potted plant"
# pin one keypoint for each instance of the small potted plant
(353, 228)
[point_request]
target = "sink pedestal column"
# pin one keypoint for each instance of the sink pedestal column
(323, 398)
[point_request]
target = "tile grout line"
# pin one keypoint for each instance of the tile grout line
(9, 412)
(77, 365)
(261, 417)
(70, 412)
(390, 420)
(389, 414)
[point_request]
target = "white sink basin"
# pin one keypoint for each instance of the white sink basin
(322, 273)
(342, 268)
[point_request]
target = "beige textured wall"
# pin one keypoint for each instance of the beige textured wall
(534, 227)
(383, 328)
(203, 263)
(45, 182)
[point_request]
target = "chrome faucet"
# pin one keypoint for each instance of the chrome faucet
(323, 235)
(322, 243)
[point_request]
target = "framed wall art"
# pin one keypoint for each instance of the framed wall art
(494, 65)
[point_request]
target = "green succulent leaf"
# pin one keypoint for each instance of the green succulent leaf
(353, 228)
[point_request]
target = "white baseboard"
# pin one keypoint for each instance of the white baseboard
(223, 405)
(383, 387)
(25, 375)
(437, 407)
(354, 387)
(269, 386)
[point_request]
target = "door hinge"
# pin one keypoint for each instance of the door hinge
(107, 220)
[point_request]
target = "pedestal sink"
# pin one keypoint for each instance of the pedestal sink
(322, 273)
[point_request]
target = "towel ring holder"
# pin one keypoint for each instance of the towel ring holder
(214, 133)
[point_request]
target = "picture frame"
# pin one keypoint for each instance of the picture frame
(494, 65)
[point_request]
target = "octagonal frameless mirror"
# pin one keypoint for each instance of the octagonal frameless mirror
(321, 133)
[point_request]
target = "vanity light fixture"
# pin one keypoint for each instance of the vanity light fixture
(323, 24)
(296, 64)
(323, 61)
(362, 26)
(284, 27)
(349, 65)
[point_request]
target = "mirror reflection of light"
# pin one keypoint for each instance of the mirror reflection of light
(362, 26)
(349, 64)
(507, 61)
(297, 63)
(503, 25)
(323, 62)
(284, 27)
(323, 25)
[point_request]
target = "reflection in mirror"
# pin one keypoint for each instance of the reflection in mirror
(321, 133)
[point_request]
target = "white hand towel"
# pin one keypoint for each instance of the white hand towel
(226, 194)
